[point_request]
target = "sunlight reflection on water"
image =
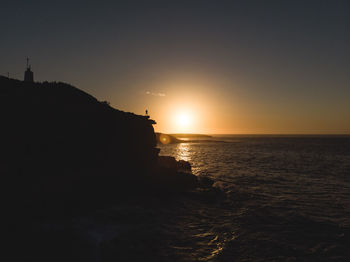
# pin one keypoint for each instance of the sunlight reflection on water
(183, 152)
(189, 152)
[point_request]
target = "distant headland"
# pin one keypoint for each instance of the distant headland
(163, 138)
(191, 135)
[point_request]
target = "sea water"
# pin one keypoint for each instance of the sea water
(285, 198)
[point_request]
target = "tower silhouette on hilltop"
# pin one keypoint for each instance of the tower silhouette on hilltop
(28, 74)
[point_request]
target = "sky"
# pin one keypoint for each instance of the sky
(224, 67)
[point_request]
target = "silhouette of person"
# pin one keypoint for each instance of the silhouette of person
(146, 112)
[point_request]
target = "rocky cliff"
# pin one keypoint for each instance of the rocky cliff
(60, 142)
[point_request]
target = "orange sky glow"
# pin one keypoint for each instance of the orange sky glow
(207, 106)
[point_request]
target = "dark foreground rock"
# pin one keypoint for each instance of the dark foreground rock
(171, 163)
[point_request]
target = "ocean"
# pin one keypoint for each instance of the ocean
(284, 198)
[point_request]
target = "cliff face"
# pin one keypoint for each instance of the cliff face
(57, 130)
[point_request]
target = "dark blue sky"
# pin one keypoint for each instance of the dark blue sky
(272, 59)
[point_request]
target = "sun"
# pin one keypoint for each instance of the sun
(183, 120)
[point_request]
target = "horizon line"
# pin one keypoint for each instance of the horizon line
(267, 134)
